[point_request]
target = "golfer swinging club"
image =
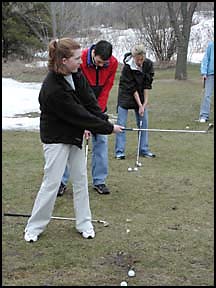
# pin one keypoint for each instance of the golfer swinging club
(68, 107)
(135, 81)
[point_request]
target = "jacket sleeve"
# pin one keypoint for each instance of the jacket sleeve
(104, 95)
(205, 61)
(148, 75)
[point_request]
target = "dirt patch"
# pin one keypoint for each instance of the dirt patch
(20, 72)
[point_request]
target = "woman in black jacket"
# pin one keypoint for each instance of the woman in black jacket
(68, 109)
(135, 81)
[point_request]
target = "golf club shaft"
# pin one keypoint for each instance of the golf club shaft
(52, 217)
(204, 80)
(138, 146)
(166, 130)
(86, 150)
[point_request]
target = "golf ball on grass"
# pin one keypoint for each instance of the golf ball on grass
(130, 169)
(139, 164)
(187, 127)
(135, 169)
(123, 283)
(131, 273)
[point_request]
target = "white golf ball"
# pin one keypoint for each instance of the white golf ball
(123, 283)
(187, 127)
(135, 169)
(131, 273)
(139, 164)
(129, 169)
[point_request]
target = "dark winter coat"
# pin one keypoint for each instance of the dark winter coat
(66, 113)
(132, 80)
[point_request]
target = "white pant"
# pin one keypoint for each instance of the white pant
(56, 158)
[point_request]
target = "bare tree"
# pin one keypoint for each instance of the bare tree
(181, 14)
(154, 28)
(65, 18)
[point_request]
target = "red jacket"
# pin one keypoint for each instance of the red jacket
(100, 79)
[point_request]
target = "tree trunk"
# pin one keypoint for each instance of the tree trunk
(181, 63)
(5, 50)
(182, 26)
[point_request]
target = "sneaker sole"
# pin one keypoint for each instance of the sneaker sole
(146, 156)
(197, 120)
(31, 240)
(120, 158)
(89, 237)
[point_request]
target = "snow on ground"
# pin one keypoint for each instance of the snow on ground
(21, 98)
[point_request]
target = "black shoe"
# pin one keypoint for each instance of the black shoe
(61, 190)
(101, 189)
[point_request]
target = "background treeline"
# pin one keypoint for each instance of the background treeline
(165, 26)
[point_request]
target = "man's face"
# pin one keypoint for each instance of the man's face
(98, 61)
(139, 59)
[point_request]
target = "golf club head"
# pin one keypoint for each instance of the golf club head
(138, 164)
(210, 127)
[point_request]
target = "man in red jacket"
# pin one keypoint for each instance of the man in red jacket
(99, 67)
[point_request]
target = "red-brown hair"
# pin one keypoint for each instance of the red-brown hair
(58, 49)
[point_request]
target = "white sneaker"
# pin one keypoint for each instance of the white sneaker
(29, 237)
(202, 120)
(89, 234)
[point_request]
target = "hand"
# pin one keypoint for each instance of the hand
(117, 128)
(87, 134)
(141, 110)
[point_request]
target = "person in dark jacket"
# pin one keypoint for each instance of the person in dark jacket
(99, 67)
(68, 108)
(135, 82)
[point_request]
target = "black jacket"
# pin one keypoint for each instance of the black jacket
(132, 80)
(66, 113)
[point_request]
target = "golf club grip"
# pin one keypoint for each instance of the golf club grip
(16, 215)
(128, 129)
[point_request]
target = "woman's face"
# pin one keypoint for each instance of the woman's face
(139, 59)
(73, 63)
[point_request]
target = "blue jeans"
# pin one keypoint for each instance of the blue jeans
(121, 137)
(99, 160)
(206, 102)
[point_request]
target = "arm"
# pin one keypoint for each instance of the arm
(204, 69)
(67, 107)
(103, 97)
(149, 74)
(140, 105)
(204, 64)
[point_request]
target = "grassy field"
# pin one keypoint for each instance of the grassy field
(167, 205)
